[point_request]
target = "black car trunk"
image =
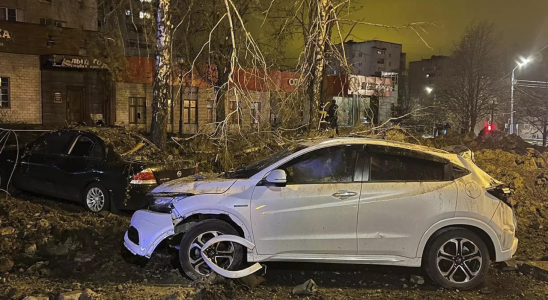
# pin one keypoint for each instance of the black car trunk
(167, 171)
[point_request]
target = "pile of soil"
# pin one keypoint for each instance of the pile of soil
(524, 167)
(44, 239)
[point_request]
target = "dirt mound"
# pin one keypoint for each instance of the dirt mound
(45, 239)
(500, 140)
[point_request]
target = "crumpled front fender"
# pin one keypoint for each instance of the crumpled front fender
(153, 227)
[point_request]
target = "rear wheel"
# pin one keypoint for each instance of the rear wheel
(457, 259)
(227, 255)
(96, 198)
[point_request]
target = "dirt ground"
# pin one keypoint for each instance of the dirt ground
(48, 248)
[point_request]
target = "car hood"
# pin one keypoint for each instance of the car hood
(183, 186)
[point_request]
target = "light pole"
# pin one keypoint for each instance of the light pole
(520, 65)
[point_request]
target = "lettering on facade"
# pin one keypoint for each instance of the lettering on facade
(4, 34)
(57, 98)
(293, 81)
(80, 63)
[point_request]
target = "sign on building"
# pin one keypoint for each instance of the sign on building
(6, 35)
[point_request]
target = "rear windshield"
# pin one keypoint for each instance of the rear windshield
(256, 167)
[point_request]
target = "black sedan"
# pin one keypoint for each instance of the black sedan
(102, 168)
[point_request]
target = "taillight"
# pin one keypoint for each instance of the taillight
(502, 193)
(144, 177)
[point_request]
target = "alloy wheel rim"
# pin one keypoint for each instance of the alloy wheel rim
(459, 260)
(95, 199)
(222, 253)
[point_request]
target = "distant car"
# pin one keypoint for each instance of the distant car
(80, 165)
(360, 201)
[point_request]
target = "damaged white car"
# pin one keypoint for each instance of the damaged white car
(357, 201)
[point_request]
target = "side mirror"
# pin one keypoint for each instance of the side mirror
(277, 177)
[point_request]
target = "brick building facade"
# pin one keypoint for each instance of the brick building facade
(20, 88)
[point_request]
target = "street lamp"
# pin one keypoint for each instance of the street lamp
(428, 90)
(521, 64)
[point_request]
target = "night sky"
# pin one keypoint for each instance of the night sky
(523, 24)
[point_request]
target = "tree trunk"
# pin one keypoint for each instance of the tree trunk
(160, 94)
(322, 35)
(544, 134)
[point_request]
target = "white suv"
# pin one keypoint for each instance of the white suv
(359, 201)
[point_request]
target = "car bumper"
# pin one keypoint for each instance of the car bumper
(506, 255)
(147, 230)
(135, 197)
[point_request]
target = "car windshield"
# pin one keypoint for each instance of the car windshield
(254, 168)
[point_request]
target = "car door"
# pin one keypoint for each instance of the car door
(315, 212)
(37, 167)
(403, 194)
(78, 166)
(33, 170)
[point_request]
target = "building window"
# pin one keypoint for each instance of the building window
(360, 63)
(380, 61)
(170, 111)
(81, 4)
(137, 110)
(210, 111)
(235, 113)
(390, 64)
(4, 92)
(381, 52)
(8, 14)
(360, 54)
(255, 112)
(147, 1)
(128, 12)
(389, 54)
(190, 113)
(144, 15)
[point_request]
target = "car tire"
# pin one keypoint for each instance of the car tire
(457, 259)
(190, 255)
(96, 198)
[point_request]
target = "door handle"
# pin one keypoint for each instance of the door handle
(344, 194)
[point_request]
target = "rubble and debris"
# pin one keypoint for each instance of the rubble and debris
(536, 269)
(509, 266)
(7, 231)
(416, 279)
(307, 288)
(5, 264)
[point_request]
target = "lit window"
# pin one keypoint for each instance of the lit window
(137, 110)
(128, 12)
(147, 1)
(144, 15)
(190, 113)
(4, 92)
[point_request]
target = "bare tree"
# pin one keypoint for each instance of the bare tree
(533, 109)
(161, 84)
(474, 79)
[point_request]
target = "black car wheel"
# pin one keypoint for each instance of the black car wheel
(226, 255)
(96, 198)
(457, 259)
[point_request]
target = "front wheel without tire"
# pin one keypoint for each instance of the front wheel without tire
(227, 255)
(96, 198)
(457, 259)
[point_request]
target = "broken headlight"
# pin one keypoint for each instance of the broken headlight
(164, 202)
